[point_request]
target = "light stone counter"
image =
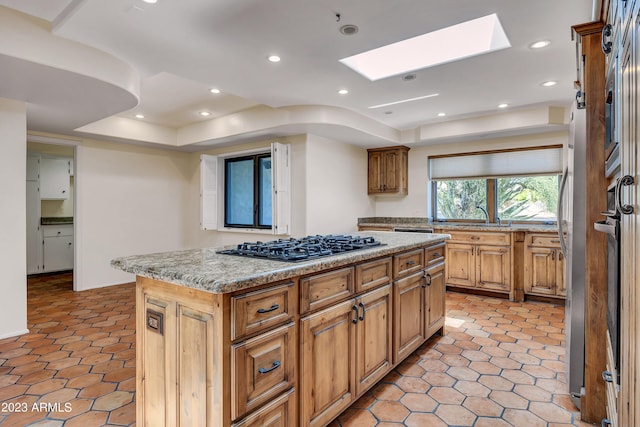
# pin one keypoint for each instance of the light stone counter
(207, 270)
(424, 223)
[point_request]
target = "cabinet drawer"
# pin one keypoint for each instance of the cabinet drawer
(257, 311)
(485, 238)
(372, 274)
(262, 368)
(408, 262)
(322, 289)
(434, 254)
(57, 230)
(544, 240)
(279, 413)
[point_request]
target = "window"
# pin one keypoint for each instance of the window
(457, 199)
(246, 191)
(512, 185)
(529, 198)
(517, 198)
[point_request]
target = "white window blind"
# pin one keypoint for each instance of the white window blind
(212, 189)
(546, 161)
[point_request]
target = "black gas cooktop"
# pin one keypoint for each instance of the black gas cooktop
(305, 248)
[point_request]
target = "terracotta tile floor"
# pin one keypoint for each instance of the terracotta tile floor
(499, 364)
(76, 367)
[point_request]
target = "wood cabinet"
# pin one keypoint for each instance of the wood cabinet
(388, 170)
(327, 358)
(292, 353)
(480, 260)
(57, 247)
(544, 266)
(434, 299)
(54, 178)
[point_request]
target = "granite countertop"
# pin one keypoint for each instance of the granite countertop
(206, 270)
(424, 223)
(56, 220)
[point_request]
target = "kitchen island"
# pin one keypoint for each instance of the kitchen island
(224, 340)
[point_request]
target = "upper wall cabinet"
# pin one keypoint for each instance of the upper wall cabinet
(388, 170)
(54, 179)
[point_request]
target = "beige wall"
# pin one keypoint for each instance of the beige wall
(13, 237)
(417, 202)
(129, 200)
(336, 182)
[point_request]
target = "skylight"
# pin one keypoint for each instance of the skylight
(464, 40)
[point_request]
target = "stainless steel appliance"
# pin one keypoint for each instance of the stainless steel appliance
(302, 249)
(572, 230)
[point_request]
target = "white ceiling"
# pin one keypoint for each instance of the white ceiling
(181, 48)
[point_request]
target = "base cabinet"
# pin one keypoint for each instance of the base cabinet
(544, 266)
(292, 353)
(480, 260)
(57, 247)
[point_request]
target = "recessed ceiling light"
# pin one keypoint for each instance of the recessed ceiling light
(540, 44)
(404, 100)
(274, 58)
(349, 29)
(503, 105)
(214, 90)
(550, 83)
(343, 91)
(464, 40)
(442, 114)
(139, 116)
(204, 113)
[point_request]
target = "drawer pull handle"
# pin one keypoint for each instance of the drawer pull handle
(361, 317)
(607, 376)
(475, 237)
(355, 318)
(276, 365)
(555, 241)
(411, 262)
(606, 422)
(267, 310)
(436, 255)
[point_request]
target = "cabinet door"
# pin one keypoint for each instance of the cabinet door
(54, 179)
(375, 172)
(34, 233)
(493, 267)
(391, 169)
(460, 266)
(435, 290)
(408, 300)
(327, 382)
(374, 344)
(58, 253)
(540, 271)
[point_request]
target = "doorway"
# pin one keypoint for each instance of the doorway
(50, 208)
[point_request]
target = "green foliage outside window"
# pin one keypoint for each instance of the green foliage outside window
(517, 198)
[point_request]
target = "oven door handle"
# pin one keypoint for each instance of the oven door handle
(605, 227)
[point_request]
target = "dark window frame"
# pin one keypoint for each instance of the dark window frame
(257, 200)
